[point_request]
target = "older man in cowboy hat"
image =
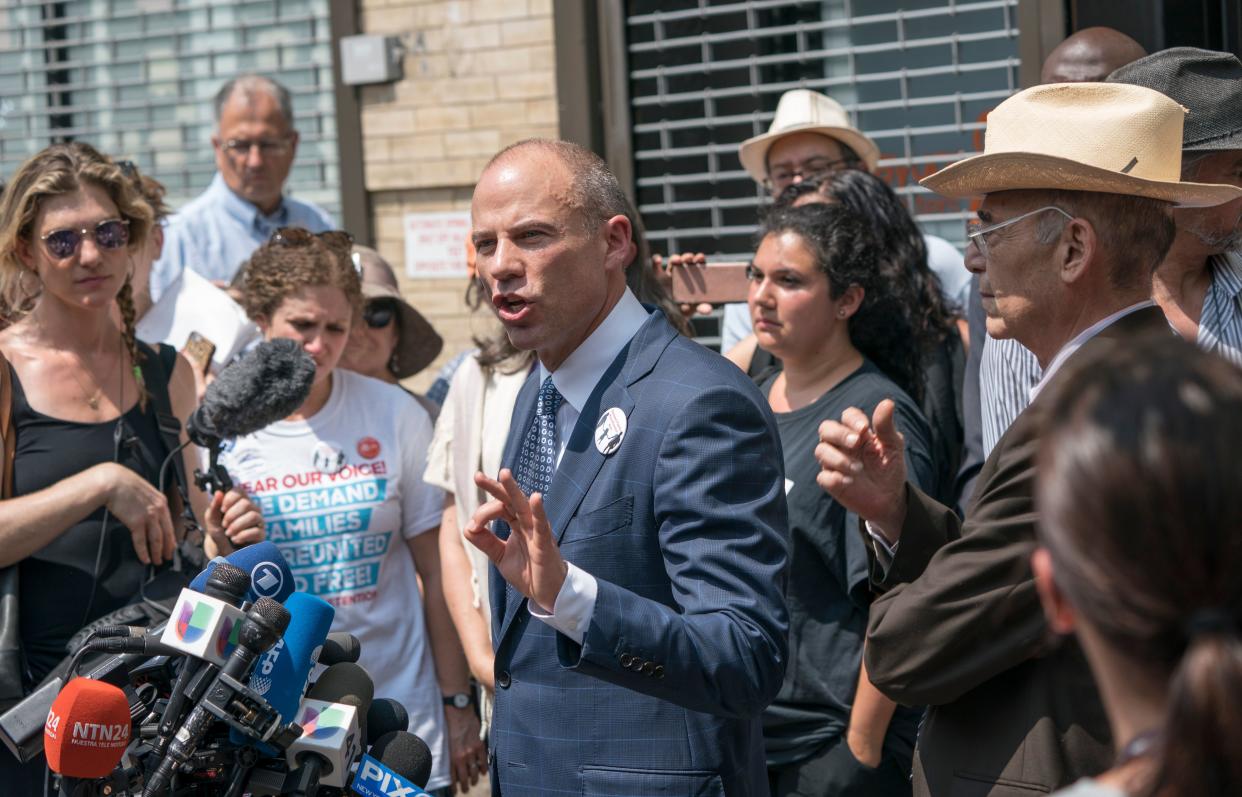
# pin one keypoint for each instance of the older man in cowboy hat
(1077, 182)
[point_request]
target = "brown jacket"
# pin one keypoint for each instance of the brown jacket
(1012, 711)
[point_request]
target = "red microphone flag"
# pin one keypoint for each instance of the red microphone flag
(87, 729)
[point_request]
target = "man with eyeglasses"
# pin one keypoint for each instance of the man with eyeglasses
(811, 136)
(1199, 285)
(1078, 182)
(255, 144)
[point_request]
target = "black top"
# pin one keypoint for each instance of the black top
(56, 580)
(828, 592)
(944, 370)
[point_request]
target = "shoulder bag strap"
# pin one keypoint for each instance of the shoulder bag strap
(12, 667)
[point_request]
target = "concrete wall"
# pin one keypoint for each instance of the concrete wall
(479, 74)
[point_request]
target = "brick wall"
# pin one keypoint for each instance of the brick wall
(479, 74)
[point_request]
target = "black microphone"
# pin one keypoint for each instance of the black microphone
(267, 384)
(332, 717)
(265, 623)
(383, 717)
(226, 582)
(399, 763)
(340, 647)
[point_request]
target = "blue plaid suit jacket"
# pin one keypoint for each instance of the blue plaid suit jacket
(685, 528)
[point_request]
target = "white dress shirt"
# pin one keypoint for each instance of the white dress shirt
(576, 380)
(885, 550)
(1081, 338)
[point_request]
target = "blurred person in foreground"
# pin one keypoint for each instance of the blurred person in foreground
(1147, 579)
(470, 436)
(356, 450)
(638, 528)
(255, 144)
(822, 304)
(1077, 183)
(394, 341)
(82, 519)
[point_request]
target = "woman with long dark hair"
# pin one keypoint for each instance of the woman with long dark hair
(936, 339)
(1137, 490)
(819, 302)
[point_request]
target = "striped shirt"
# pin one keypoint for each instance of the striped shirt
(1008, 370)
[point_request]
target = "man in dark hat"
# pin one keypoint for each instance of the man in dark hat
(1199, 283)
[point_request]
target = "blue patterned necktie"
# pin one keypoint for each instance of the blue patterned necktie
(537, 458)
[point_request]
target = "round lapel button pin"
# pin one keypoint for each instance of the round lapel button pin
(610, 431)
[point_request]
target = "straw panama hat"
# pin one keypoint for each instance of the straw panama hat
(1110, 138)
(805, 111)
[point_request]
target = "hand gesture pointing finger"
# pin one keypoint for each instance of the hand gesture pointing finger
(863, 466)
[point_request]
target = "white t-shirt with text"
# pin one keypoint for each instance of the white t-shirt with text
(341, 493)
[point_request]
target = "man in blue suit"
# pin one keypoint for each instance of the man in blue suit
(637, 594)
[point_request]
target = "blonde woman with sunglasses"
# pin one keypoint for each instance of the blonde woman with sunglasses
(83, 519)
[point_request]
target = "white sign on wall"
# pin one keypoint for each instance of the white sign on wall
(435, 244)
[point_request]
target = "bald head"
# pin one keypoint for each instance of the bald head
(1089, 56)
(593, 191)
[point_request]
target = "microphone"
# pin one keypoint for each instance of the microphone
(340, 647)
(385, 716)
(265, 385)
(399, 765)
(281, 674)
(205, 623)
(331, 717)
(264, 624)
(86, 731)
(201, 626)
(351, 684)
(270, 576)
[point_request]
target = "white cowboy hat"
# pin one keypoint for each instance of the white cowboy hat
(805, 111)
(1110, 138)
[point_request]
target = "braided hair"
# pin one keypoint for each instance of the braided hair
(58, 170)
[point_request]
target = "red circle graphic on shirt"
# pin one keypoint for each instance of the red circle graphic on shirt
(368, 448)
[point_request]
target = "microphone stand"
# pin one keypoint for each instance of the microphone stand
(216, 478)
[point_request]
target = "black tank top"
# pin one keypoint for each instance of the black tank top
(56, 580)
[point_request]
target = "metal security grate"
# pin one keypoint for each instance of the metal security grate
(704, 76)
(136, 79)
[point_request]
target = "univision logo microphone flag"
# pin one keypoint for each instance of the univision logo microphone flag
(203, 627)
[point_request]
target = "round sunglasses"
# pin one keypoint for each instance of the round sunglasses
(108, 234)
(379, 314)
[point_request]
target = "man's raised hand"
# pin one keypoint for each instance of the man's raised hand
(529, 559)
(862, 466)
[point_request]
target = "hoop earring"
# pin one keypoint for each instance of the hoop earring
(392, 363)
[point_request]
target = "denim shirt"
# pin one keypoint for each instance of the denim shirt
(217, 231)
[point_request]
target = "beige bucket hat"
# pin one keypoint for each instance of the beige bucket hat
(805, 111)
(1110, 138)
